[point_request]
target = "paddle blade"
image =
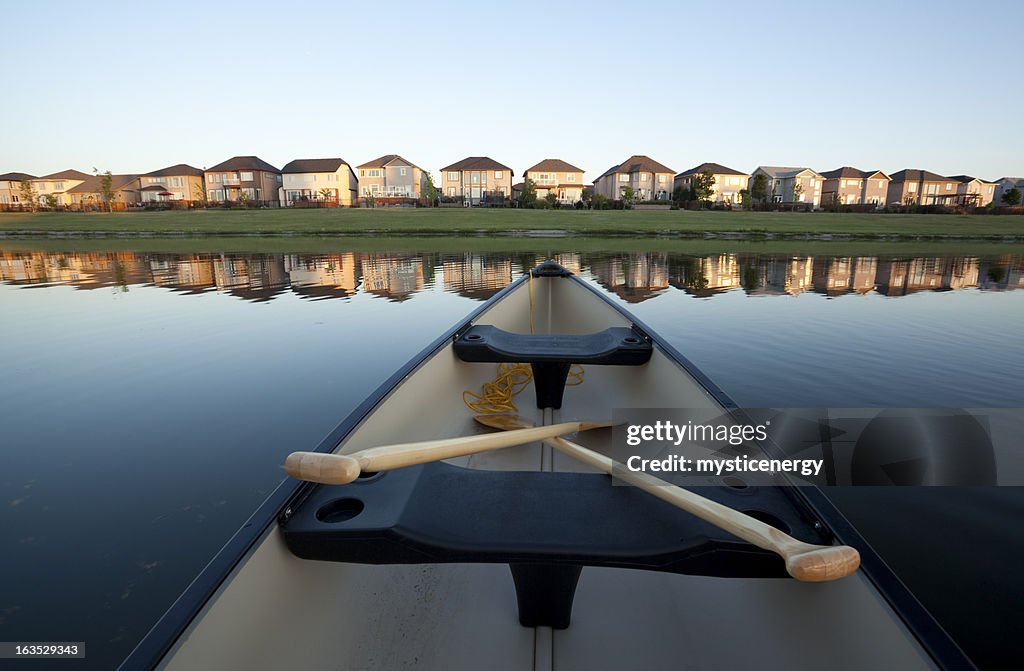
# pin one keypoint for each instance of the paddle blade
(328, 469)
(823, 564)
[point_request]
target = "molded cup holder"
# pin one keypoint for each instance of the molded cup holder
(339, 510)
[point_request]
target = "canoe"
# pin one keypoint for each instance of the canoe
(525, 558)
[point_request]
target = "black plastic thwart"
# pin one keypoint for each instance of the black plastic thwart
(551, 356)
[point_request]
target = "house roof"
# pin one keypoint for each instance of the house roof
(478, 163)
(243, 163)
(716, 168)
(554, 165)
(386, 160)
(176, 171)
(916, 175)
(67, 174)
(93, 183)
(16, 177)
(153, 187)
(846, 172)
(782, 171)
(313, 165)
(641, 163)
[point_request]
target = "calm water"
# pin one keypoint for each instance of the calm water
(147, 400)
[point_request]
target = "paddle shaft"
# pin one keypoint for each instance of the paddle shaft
(342, 468)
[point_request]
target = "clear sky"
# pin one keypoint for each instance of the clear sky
(136, 86)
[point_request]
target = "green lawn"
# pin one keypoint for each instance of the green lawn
(457, 221)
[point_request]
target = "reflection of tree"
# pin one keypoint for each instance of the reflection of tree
(996, 274)
(750, 275)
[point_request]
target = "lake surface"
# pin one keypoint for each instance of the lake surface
(148, 399)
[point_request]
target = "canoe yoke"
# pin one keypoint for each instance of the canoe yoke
(551, 356)
(545, 526)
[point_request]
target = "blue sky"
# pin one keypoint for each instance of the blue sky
(133, 87)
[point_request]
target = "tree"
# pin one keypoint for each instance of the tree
(106, 188)
(587, 196)
(798, 190)
(327, 194)
(51, 201)
(678, 194)
(759, 189)
(1012, 197)
(600, 201)
(745, 199)
(430, 191)
(704, 186)
(628, 194)
(551, 199)
(28, 194)
(199, 192)
(528, 196)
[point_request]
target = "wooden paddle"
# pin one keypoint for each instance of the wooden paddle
(338, 469)
(804, 561)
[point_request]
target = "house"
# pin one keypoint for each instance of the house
(392, 176)
(57, 185)
(90, 192)
(477, 180)
(921, 187)
(974, 192)
(243, 178)
(850, 186)
(330, 180)
(649, 179)
(791, 185)
(177, 182)
(10, 188)
(1004, 184)
(727, 186)
(555, 176)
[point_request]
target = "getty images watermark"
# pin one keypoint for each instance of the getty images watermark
(821, 446)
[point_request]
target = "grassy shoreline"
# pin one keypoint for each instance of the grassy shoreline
(531, 224)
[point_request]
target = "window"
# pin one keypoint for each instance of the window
(498, 174)
(643, 177)
(623, 178)
(949, 187)
(246, 176)
(403, 171)
(209, 178)
(451, 191)
(912, 187)
(453, 176)
(59, 186)
(661, 179)
(570, 177)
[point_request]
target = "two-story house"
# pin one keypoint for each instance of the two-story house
(913, 186)
(90, 192)
(243, 178)
(1004, 184)
(555, 176)
(850, 186)
(58, 185)
(791, 185)
(478, 180)
(177, 182)
(391, 176)
(727, 185)
(330, 180)
(649, 179)
(10, 189)
(974, 192)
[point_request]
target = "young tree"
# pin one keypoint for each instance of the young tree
(628, 194)
(745, 199)
(28, 194)
(1012, 197)
(704, 186)
(106, 188)
(600, 201)
(528, 196)
(551, 199)
(430, 191)
(759, 189)
(51, 201)
(327, 194)
(587, 196)
(199, 192)
(798, 190)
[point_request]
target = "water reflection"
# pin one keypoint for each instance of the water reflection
(396, 277)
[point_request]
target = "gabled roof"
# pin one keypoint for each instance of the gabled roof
(386, 160)
(782, 171)
(916, 175)
(67, 174)
(715, 168)
(610, 171)
(243, 163)
(93, 183)
(846, 172)
(1010, 180)
(478, 163)
(16, 177)
(313, 165)
(179, 170)
(640, 163)
(554, 165)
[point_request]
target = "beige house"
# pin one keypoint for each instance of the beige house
(478, 180)
(330, 180)
(89, 193)
(58, 185)
(243, 178)
(555, 176)
(391, 176)
(649, 179)
(1004, 184)
(920, 187)
(727, 186)
(974, 192)
(791, 185)
(177, 182)
(10, 189)
(850, 186)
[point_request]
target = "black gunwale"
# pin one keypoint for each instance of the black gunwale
(176, 619)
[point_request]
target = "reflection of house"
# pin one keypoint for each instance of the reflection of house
(177, 182)
(57, 185)
(90, 192)
(727, 186)
(477, 277)
(791, 185)
(634, 278)
(254, 278)
(850, 186)
(649, 179)
(478, 180)
(394, 278)
(323, 276)
(243, 178)
(557, 177)
(899, 277)
(974, 192)
(10, 188)
(920, 187)
(329, 180)
(391, 176)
